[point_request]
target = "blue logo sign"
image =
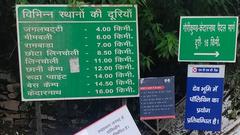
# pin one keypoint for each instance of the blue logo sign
(204, 99)
(205, 70)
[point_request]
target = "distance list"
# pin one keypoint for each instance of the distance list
(78, 52)
(205, 85)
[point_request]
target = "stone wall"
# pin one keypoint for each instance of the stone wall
(15, 115)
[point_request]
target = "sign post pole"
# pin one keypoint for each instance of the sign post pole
(124, 101)
(38, 118)
(158, 131)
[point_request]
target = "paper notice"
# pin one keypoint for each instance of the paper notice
(119, 122)
(83, 132)
(74, 65)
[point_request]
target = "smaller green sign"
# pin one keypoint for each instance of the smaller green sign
(208, 39)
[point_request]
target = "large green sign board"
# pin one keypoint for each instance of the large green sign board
(78, 52)
(208, 39)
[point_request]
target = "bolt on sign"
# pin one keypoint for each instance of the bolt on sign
(208, 39)
(82, 52)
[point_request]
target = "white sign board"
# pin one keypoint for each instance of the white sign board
(119, 122)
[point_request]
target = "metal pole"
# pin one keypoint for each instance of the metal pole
(124, 101)
(149, 126)
(38, 118)
(158, 132)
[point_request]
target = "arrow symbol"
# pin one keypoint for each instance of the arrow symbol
(216, 54)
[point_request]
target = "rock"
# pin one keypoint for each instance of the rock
(8, 120)
(5, 92)
(21, 122)
(51, 126)
(2, 87)
(25, 106)
(24, 115)
(7, 76)
(3, 97)
(13, 87)
(13, 116)
(46, 117)
(4, 75)
(10, 105)
(12, 95)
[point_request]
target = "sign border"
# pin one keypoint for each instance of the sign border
(227, 61)
(84, 5)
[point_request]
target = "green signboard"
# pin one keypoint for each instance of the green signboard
(79, 52)
(208, 39)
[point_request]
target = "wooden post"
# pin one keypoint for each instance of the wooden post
(38, 118)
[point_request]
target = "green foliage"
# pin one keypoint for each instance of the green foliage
(167, 46)
(22, 2)
(75, 2)
(146, 62)
(219, 6)
(233, 88)
(155, 41)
